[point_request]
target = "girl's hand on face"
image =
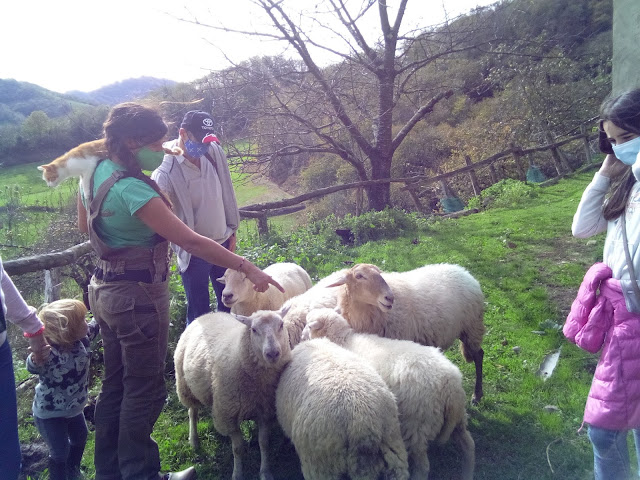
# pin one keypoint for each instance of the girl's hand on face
(612, 167)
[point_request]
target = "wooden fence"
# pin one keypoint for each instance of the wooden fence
(51, 263)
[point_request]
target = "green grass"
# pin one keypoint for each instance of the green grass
(529, 267)
(28, 205)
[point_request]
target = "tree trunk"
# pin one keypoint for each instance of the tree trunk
(379, 196)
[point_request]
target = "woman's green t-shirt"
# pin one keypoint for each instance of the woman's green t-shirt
(117, 224)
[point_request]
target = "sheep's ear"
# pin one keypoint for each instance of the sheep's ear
(242, 319)
(315, 325)
(306, 335)
(284, 310)
(221, 280)
(340, 281)
(306, 331)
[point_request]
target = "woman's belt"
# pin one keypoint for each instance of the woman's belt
(143, 276)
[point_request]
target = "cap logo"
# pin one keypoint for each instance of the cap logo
(207, 122)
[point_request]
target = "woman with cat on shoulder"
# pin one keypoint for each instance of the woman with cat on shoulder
(130, 223)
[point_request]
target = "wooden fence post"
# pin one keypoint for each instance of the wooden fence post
(359, 201)
(517, 154)
(411, 188)
(587, 147)
(263, 225)
(51, 285)
(558, 160)
(473, 177)
(493, 174)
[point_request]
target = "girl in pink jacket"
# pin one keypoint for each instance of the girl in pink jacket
(605, 316)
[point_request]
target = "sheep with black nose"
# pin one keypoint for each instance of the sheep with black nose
(232, 364)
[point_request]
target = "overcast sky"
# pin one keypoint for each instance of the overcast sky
(85, 44)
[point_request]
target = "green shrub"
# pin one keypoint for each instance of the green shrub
(387, 224)
(308, 245)
(507, 193)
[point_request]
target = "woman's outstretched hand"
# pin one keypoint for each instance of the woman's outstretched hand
(259, 279)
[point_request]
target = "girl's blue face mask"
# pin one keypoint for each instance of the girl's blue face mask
(627, 152)
(195, 149)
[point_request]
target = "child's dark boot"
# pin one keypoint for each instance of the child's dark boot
(73, 463)
(57, 470)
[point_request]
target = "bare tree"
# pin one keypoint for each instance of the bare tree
(349, 108)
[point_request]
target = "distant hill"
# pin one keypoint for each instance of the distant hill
(126, 90)
(19, 99)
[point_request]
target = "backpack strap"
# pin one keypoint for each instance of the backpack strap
(212, 162)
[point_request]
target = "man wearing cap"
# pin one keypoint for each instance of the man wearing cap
(199, 186)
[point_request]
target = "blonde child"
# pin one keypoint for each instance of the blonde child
(62, 389)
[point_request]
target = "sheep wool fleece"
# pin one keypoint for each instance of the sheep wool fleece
(602, 321)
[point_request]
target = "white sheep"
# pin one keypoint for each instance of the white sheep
(232, 365)
(427, 386)
(431, 305)
(340, 416)
(240, 296)
(294, 311)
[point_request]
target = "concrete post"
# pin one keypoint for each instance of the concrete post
(626, 51)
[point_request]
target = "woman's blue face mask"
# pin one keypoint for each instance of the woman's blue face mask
(627, 152)
(195, 149)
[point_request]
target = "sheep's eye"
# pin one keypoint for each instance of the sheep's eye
(359, 276)
(254, 330)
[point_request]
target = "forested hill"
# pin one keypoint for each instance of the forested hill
(125, 90)
(19, 99)
(36, 122)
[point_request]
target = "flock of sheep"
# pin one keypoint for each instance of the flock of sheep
(351, 367)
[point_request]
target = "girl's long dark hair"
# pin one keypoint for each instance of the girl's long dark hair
(623, 111)
(131, 123)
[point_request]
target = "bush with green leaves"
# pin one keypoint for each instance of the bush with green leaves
(507, 193)
(307, 245)
(303, 246)
(386, 224)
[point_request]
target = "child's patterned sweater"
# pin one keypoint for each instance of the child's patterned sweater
(64, 380)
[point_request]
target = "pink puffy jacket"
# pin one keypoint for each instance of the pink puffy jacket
(603, 321)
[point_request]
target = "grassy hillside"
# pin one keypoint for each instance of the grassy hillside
(28, 205)
(529, 267)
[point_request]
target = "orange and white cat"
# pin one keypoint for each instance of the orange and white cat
(80, 162)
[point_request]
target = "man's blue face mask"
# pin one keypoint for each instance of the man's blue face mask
(195, 149)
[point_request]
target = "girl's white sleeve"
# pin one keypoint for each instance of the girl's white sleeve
(588, 219)
(17, 310)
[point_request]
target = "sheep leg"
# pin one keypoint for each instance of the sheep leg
(478, 355)
(467, 447)
(264, 429)
(237, 444)
(193, 428)
(418, 463)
